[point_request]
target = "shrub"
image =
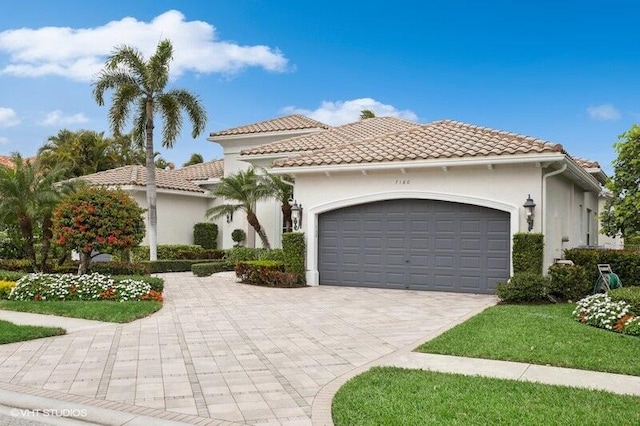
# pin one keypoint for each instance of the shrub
(280, 279)
(242, 254)
(528, 253)
(11, 275)
(293, 247)
(569, 282)
(18, 265)
(206, 269)
(625, 263)
(204, 254)
(179, 265)
(629, 295)
(156, 283)
(238, 236)
(600, 311)
(524, 287)
(5, 288)
(205, 235)
(165, 252)
(253, 271)
(271, 254)
(120, 268)
(78, 287)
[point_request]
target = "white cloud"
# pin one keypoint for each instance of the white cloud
(3, 140)
(341, 112)
(57, 118)
(604, 112)
(79, 53)
(8, 117)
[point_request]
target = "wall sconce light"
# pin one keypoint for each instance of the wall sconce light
(529, 208)
(296, 214)
(229, 217)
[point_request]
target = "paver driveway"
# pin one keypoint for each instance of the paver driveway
(229, 351)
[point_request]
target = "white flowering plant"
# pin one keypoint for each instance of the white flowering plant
(79, 287)
(600, 311)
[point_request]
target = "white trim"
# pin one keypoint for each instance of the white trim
(312, 213)
(135, 188)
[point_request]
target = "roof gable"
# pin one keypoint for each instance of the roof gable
(334, 136)
(438, 140)
(281, 124)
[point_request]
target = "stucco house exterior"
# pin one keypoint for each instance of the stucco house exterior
(392, 203)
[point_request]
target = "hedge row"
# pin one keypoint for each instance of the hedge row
(625, 263)
(210, 268)
(269, 273)
(528, 253)
(293, 248)
(171, 252)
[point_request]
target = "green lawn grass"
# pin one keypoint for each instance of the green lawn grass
(94, 310)
(10, 332)
(396, 396)
(539, 334)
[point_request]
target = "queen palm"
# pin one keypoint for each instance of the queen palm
(242, 191)
(141, 85)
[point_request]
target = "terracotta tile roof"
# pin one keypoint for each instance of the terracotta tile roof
(586, 164)
(137, 176)
(203, 171)
(290, 122)
(438, 140)
(335, 136)
(6, 161)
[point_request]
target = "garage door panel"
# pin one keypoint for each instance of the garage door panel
(419, 244)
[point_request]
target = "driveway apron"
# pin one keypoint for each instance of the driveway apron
(231, 352)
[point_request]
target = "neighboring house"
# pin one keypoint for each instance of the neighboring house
(396, 204)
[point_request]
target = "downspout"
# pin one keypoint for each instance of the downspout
(543, 222)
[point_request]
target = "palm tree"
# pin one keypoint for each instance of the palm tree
(366, 113)
(194, 159)
(141, 85)
(245, 189)
(281, 187)
(28, 195)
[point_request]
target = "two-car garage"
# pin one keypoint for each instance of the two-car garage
(415, 244)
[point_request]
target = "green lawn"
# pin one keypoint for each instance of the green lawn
(10, 332)
(395, 396)
(539, 334)
(95, 310)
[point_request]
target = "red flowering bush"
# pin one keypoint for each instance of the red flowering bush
(97, 219)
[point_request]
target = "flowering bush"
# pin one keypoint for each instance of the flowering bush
(5, 288)
(79, 287)
(600, 311)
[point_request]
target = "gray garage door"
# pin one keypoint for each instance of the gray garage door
(415, 244)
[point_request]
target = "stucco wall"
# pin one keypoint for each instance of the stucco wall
(503, 187)
(176, 216)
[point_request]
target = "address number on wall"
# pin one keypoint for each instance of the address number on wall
(403, 181)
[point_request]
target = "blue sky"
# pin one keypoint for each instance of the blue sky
(564, 71)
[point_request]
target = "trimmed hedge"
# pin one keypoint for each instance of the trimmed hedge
(178, 265)
(293, 248)
(630, 295)
(528, 253)
(165, 252)
(524, 287)
(18, 265)
(210, 268)
(119, 268)
(205, 235)
(569, 282)
(243, 254)
(253, 271)
(625, 263)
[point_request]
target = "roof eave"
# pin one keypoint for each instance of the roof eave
(217, 138)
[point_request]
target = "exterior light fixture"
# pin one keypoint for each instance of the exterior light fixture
(229, 217)
(529, 208)
(296, 214)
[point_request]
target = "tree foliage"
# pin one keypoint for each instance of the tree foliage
(97, 219)
(242, 191)
(366, 113)
(194, 159)
(140, 85)
(622, 210)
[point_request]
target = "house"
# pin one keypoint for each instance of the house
(392, 203)
(396, 204)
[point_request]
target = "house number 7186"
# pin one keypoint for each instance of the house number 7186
(403, 181)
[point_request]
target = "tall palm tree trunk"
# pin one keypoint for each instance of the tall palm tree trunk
(26, 229)
(253, 221)
(152, 214)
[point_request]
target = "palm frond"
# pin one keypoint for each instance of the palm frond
(222, 210)
(195, 111)
(169, 108)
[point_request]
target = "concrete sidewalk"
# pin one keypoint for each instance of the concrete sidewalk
(72, 325)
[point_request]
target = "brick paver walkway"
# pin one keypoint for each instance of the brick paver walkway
(230, 352)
